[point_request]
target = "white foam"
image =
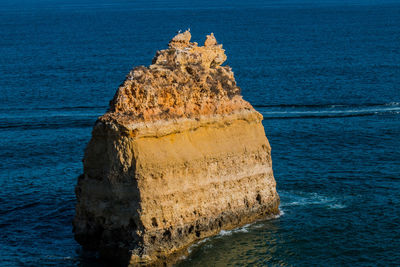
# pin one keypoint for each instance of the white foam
(281, 213)
(183, 257)
(190, 248)
(243, 229)
(307, 199)
(59, 258)
(225, 232)
(202, 241)
(337, 206)
(393, 104)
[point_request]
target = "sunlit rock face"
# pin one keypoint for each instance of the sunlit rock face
(178, 157)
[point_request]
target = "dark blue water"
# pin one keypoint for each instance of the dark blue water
(325, 75)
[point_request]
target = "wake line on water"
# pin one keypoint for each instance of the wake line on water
(327, 111)
(394, 104)
(52, 119)
(85, 116)
(84, 123)
(8, 109)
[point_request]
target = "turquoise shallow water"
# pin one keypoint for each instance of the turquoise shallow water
(325, 75)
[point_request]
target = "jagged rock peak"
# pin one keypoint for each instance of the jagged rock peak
(181, 40)
(210, 40)
(182, 52)
(185, 80)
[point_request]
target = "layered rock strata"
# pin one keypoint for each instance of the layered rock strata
(178, 157)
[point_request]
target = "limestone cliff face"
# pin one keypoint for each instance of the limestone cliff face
(178, 157)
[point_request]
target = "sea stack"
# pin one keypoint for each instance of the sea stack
(178, 157)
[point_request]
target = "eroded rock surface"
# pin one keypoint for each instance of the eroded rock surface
(178, 157)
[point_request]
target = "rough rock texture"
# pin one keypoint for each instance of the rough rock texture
(178, 157)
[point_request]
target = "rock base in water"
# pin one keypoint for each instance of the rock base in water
(178, 157)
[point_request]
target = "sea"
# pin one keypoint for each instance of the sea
(324, 74)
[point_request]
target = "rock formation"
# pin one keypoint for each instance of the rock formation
(178, 157)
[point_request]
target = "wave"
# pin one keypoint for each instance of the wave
(222, 233)
(326, 110)
(195, 245)
(243, 229)
(247, 227)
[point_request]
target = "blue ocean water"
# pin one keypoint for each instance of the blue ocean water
(325, 75)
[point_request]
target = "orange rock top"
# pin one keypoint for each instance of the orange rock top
(184, 81)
